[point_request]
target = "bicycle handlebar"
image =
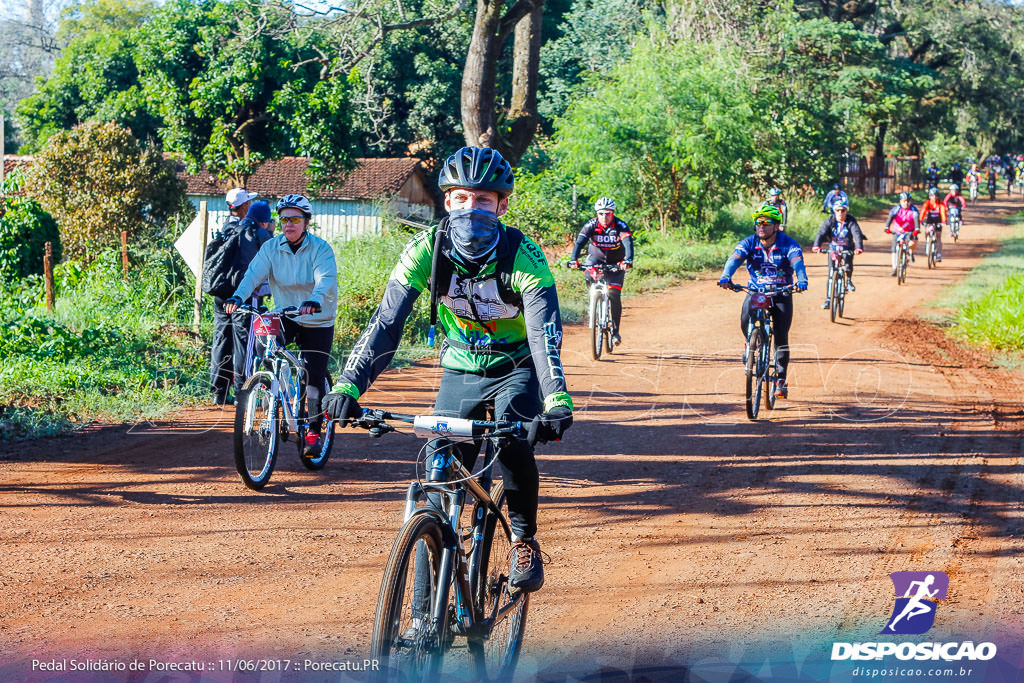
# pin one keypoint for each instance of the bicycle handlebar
(432, 426)
(604, 267)
(770, 291)
(287, 311)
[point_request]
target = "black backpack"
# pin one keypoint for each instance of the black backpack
(221, 271)
(441, 269)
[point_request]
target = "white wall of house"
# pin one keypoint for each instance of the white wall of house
(333, 218)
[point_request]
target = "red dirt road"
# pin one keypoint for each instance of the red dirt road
(676, 528)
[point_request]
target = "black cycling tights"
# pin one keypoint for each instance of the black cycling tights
(615, 301)
(782, 318)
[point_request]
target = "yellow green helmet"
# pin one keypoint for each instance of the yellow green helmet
(768, 211)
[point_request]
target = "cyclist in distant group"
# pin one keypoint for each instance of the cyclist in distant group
(302, 273)
(611, 242)
(836, 193)
(973, 180)
(934, 216)
(956, 174)
(775, 199)
(494, 295)
(842, 230)
(1011, 173)
(955, 201)
(991, 178)
(932, 174)
(772, 258)
(903, 218)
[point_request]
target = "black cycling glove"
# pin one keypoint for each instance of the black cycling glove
(341, 406)
(549, 426)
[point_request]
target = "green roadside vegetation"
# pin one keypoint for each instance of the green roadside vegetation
(119, 350)
(987, 307)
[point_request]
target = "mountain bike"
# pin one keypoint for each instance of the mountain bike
(272, 405)
(838, 263)
(759, 355)
(954, 223)
(902, 255)
(929, 246)
(442, 582)
(599, 315)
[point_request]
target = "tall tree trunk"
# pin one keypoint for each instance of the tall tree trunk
(878, 160)
(491, 30)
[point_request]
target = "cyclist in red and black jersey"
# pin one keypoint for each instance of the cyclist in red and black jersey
(611, 241)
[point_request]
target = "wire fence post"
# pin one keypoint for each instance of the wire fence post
(48, 275)
(124, 254)
(197, 308)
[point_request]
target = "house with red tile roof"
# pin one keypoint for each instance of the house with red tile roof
(352, 206)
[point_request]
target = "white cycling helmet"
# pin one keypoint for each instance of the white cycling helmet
(295, 201)
(604, 204)
(954, 187)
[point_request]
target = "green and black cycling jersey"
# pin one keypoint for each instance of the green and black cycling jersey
(491, 320)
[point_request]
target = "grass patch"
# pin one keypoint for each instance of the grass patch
(986, 308)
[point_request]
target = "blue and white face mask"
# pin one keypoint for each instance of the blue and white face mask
(474, 232)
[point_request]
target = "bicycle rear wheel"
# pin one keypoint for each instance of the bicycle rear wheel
(257, 427)
(498, 654)
(607, 315)
(769, 373)
(409, 648)
(330, 429)
(755, 341)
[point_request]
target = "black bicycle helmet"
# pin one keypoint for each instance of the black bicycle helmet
(477, 168)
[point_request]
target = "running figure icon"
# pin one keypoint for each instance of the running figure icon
(916, 606)
(917, 598)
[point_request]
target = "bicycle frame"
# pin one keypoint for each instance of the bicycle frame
(838, 257)
(451, 479)
(276, 352)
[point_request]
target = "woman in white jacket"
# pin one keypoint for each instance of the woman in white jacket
(302, 272)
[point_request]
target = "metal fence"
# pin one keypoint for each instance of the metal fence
(897, 174)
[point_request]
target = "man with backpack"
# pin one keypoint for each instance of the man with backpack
(492, 291)
(227, 257)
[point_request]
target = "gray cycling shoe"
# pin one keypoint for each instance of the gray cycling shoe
(526, 569)
(826, 303)
(616, 339)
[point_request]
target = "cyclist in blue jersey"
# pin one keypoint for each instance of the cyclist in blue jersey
(772, 258)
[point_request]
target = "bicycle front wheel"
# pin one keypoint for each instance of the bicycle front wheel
(842, 295)
(596, 326)
(833, 303)
(901, 267)
(257, 427)
(498, 654)
(930, 251)
(409, 646)
(755, 341)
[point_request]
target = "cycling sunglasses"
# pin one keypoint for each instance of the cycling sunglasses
(291, 220)
(764, 222)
